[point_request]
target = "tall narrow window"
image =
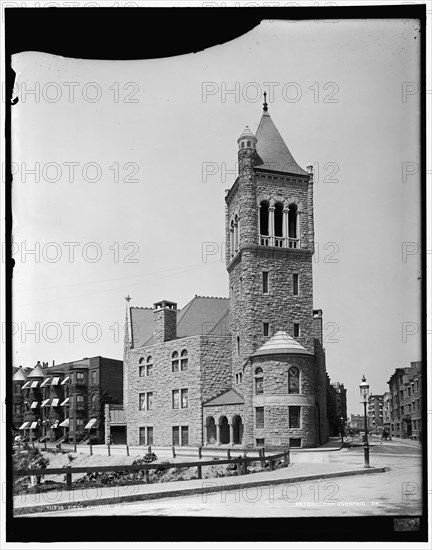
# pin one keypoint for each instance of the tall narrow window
(232, 239)
(292, 226)
(149, 435)
(141, 367)
(176, 435)
(266, 329)
(149, 401)
(259, 381)
(294, 417)
(236, 233)
(241, 288)
(149, 365)
(259, 417)
(185, 436)
(264, 218)
(175, 399)
(296, 330)
(184, 399)
(265, 282)
(293, 380)
(278, 217)
(175, 361)
(295, 284)
(184, 360)
(142, 401)
(238, 345)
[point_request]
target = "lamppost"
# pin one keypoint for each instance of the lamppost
(342, 428)
(364, 392)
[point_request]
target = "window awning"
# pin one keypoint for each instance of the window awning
(67, 379)
(90, 424)
(45, 403)
(34, 404)
(65, 402)
(34, 426)
(26, 385)
(24, 426)
(45, 382)
(65, 423)
(34, 384)
(55, 402)
(55, 381)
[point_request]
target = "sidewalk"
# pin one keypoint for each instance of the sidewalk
(100, 496)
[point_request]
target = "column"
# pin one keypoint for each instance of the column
(231, 429)
(271, 225)
(285, 230)
(217, 434)
(298, 228)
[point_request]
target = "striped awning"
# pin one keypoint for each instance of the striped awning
(34, 425)
(34, 384)
(65, 380)
(65, 402)
(55, 381)
(65, 423)
(24, 426)
(34, 404)
(45, 403)
(55, 402)
(45, 382)
(26, 385)
(90, 424)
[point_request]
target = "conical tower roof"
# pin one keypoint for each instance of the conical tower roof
(19, 375)
(281, 342)
(37, 372)
(272, 152)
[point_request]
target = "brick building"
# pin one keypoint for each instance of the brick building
(375, 412)
(336, 407)
(387, 411)
(66, 400)
(405, 388)
(357, 422)
(248, 370)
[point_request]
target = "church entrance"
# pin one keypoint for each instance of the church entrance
(211, 430)
(237, 429)
(224, 430)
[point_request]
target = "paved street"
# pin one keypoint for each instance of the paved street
(395, 492)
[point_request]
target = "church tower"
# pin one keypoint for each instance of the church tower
(269, 249)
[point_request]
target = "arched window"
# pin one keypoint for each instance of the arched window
(278, 217)
(264, 218)
(236, 233)
(259, 381)
(141, 367)
(175, 361)
(232, 238)
(292, 225)
(293, 380)
(242, 145)
(149, 365)
(238, 345)
(248, 143)
(184, 360)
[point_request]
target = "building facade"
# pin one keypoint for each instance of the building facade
(405, 389)
(375, 413)
(249, 370)
(66, 401)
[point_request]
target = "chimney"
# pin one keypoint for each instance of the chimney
(53, 363)
(317, 325)
(164, 321)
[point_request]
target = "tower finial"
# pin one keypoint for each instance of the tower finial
(265, 102)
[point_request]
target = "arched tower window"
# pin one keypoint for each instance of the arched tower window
(149, 365)
(236, 233)
(293, 380)
(293, 230)
(232, 238)
(278, 224)
(175, 361)
(264, 218)
(184, 360)
(259, 381)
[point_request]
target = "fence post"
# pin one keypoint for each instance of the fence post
(261, 455)
(69, 479)
(200, 453)
(109, 450)
(173, 451)
(229, 454)
(91, 448)
(75, 446)
(45, 447)
(127, 450)
(271, 464)
(199, 472)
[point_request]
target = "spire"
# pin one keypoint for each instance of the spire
(265, 109)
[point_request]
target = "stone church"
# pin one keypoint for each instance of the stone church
(248, 370)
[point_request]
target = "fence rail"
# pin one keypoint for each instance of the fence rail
(240, 462)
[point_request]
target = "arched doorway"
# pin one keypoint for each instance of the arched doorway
(237, 429)
(211, 430)
(224, 430)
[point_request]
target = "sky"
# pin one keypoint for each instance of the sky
(120, 171)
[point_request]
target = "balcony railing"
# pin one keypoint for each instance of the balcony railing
(279, 242)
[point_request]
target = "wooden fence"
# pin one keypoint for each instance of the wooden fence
(240, 463)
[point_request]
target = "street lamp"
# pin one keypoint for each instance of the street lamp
(364, 392)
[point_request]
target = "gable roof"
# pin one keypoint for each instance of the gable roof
(19, 375)
(281, 342)
(202, 315)
(272, 152)
(229, 397)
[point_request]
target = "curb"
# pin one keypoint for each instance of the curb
(191, 491)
